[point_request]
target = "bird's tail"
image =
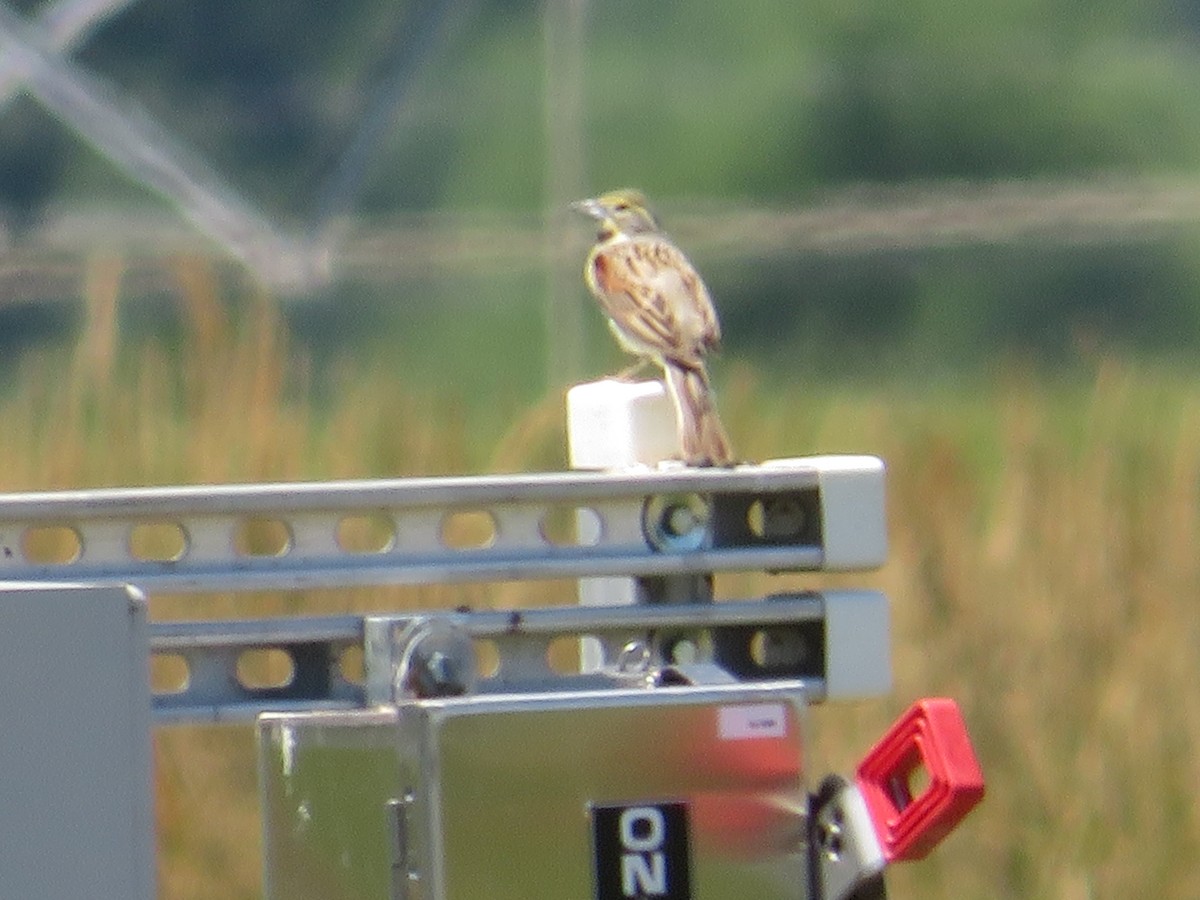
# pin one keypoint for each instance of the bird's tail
(701, 434)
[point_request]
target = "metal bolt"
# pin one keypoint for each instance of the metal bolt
(676, 522)
(442, 670)
(633, 659)
(831, 834)
(680, 520)
(437, 660)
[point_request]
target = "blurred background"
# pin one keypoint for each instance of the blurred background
(289, 239)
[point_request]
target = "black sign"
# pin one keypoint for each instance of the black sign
(641, 851)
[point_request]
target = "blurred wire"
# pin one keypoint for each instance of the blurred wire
(151, 156)
(564, 39)
(66, 23)
(853, 221)
(425, 27)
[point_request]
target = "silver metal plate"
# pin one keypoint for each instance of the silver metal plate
(506, 787)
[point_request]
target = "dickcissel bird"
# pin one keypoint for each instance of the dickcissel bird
(659, 310)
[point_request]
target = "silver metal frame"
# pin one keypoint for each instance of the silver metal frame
(667, 528)
(101, 522)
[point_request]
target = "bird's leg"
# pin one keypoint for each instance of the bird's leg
(628, 372)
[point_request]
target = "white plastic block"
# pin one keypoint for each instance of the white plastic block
(607, 591)
(858, 654)
(602, 591)
(853, 515)
(618, 424)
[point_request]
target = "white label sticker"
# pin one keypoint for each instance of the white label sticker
(751, 720)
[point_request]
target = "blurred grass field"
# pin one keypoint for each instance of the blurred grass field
(1044, 567)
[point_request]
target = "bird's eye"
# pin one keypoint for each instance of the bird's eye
(621, 207)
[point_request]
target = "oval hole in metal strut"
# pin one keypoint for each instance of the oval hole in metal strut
(468, 529)
(265, 667)
(54, 545)
(163, 541)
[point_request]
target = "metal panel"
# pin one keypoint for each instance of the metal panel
(76, 817)
(325, 779)
(517, 780)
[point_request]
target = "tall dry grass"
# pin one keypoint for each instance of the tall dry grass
(1044, 572)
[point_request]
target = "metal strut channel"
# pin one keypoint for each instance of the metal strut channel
(820, 513)
(824, 513)
(213, 691)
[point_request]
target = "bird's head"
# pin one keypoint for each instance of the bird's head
(619, 212)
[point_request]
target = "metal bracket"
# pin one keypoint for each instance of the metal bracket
(847, 860)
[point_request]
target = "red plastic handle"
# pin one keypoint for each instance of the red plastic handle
(910, 819)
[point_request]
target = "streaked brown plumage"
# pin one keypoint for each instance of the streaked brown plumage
(659, 310)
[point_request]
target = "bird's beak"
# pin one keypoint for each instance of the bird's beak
(593, 208)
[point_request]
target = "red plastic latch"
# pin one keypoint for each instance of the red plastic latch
(910, 817)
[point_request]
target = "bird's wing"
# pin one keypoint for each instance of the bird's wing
(655, 297)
